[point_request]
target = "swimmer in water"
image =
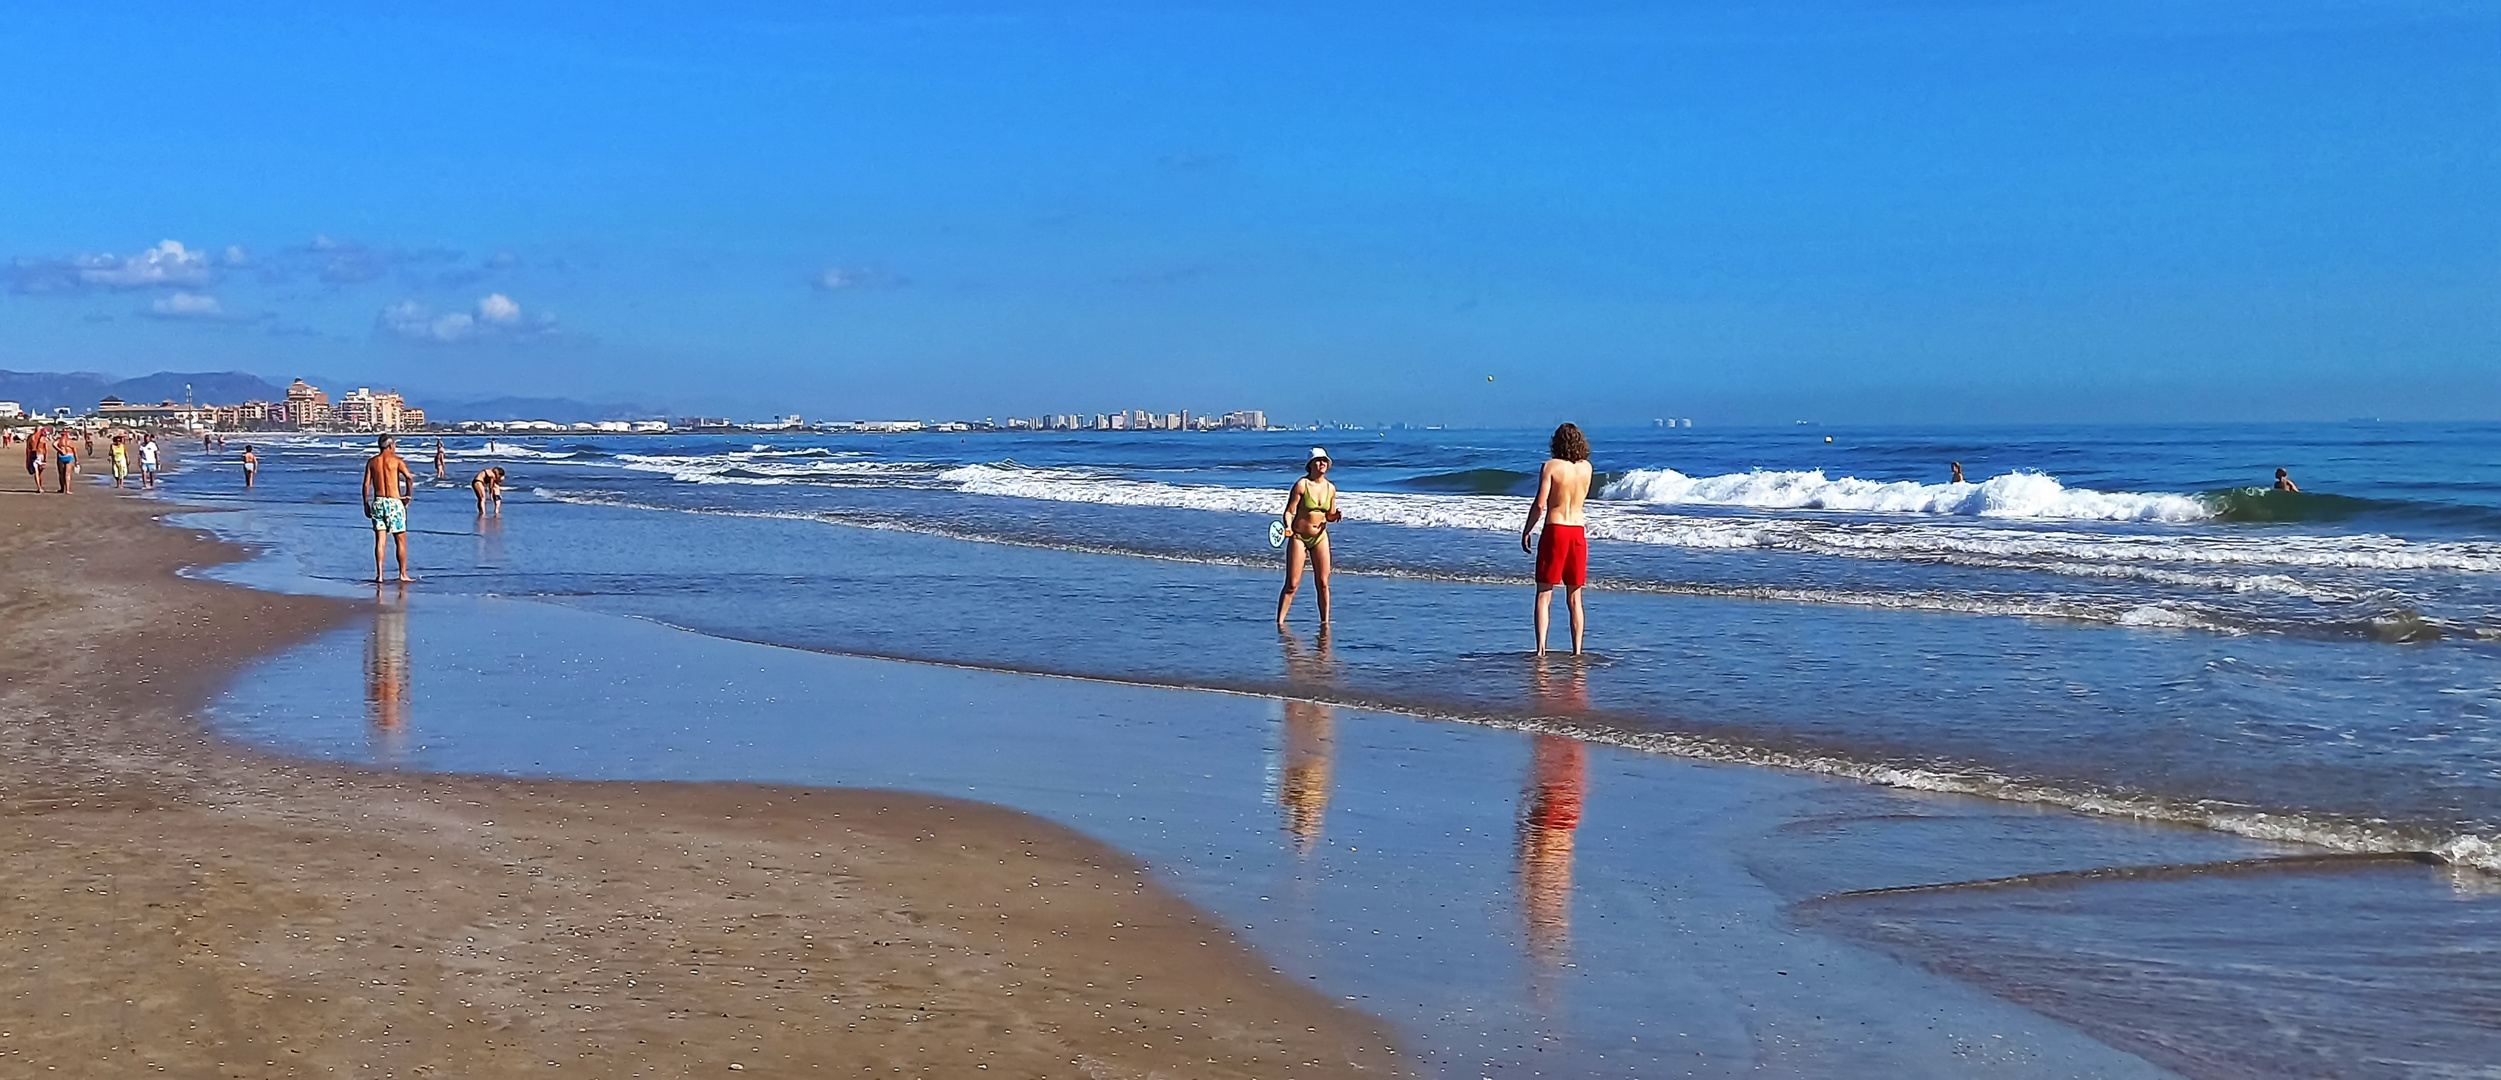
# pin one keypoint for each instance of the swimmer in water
(1958, 472)
(2284, 481)
(1309, 508)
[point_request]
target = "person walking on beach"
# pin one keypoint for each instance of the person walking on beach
(442, 465)
(488, 486)
(147, 460)
(121, 460)
(64, 459)
(388, 487)
(251, 466)
(36, 443)
(1563, 547)
(2284, 482)
(1310, 505)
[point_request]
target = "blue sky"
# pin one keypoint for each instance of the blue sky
(1869, 212)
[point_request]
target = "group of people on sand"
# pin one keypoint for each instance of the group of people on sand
(58, 449)
(389, 487)
(1555, 533)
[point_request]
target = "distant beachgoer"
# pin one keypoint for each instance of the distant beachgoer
(2284, 481)
(1310, 505)
(1563, 547)
(147, 461)
(251, 466)
(64, 460)
(35, 446)
(441, 463)
(1958, 472)
(89, 437)
(488, 486)
(388, 487)
(121, 461)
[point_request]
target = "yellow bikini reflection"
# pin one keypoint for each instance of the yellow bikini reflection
(1550, 809)
(386, 676)
(1303, 786)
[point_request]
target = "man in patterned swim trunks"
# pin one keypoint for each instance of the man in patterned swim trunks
(388, 487)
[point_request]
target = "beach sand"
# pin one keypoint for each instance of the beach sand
(178, 904)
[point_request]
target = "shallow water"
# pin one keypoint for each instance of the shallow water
(2292, 713)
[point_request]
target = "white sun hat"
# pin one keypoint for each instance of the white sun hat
(1317, 454)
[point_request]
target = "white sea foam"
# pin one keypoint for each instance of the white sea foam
(2065, 540)
(2061, 550)
(766, 466)
(2013, 495)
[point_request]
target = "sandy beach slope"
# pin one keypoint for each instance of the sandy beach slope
(178, 905)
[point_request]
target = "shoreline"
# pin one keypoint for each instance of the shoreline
(201, 906)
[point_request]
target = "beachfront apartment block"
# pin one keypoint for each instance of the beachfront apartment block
(306, 407)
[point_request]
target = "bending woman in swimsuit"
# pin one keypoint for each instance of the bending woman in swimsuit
(1309, 508)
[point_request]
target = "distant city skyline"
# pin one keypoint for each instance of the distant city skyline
(1474, 215)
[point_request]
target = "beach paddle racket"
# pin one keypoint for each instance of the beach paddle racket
(1276, 534)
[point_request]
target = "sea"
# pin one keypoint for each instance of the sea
(2118, 627)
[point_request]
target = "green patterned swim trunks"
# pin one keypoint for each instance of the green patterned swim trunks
(389, 515)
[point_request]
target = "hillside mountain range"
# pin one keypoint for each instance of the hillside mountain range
(78, 391)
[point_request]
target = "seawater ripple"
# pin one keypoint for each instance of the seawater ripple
(2474, 850)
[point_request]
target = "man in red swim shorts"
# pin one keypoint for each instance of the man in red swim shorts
(1563, 548)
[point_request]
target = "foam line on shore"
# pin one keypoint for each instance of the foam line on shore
(2136, 613)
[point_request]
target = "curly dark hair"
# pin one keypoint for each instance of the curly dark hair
(1569, 444)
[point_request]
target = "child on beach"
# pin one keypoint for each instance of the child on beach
(1310, 505)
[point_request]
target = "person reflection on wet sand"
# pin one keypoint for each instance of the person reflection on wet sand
(1303, 786)
(490, 530)
(386, 675)
(1560, 685)
(1550, 809)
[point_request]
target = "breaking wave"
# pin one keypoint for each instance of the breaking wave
(2013, 495)
(2056, 550)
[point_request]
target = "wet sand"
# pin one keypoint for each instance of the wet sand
(179, 904)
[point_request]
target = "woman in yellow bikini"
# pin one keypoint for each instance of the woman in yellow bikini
(1309, 508)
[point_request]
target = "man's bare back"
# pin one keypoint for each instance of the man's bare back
(387, 477)
(1562, 486)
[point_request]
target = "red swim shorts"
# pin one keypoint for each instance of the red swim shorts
(1563, 556)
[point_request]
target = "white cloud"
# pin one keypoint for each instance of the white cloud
(168, 263)
(183, 305)
(235, 256)
(842, 279)
(498, 318)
